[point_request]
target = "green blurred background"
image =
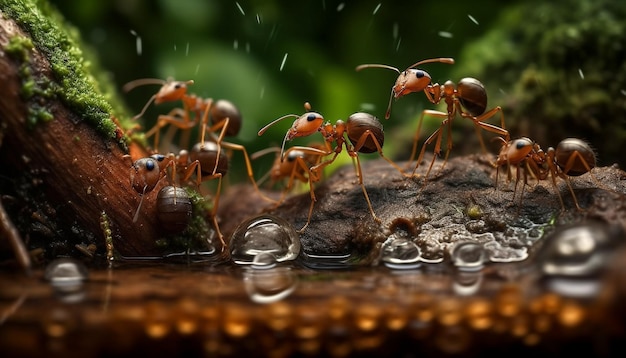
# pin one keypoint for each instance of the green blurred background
(269, 57)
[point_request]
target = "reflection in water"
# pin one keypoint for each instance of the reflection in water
(264, 234)
(269, 285)
(466, 305)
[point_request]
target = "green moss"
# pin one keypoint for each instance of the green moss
(74, 79)
(557, 70)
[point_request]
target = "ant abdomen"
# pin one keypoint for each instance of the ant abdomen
(223, 109)
(472, 95)
(360, 122)
(583, 162)
(207, 155)
(174, 208)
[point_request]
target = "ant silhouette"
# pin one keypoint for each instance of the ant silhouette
(364, 135)
(468, 98)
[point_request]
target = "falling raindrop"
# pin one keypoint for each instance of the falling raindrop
(376, 9)
(473, 19)
(137, 42)
(264, 234)
(240, 9)
(284, 60)
(445, 34)
(400, 253)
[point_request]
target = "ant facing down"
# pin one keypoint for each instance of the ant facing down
(146, 173)
(468, 98)
(364, 135)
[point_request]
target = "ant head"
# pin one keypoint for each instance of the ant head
(409, 81)
(172, 91)
(515, 151)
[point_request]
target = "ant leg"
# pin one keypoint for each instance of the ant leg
(436, 114)
(313, 200)
(367, 197)
(248, 167)
(379, 148)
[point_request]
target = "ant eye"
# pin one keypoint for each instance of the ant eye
(177, 86)
(150, 165)
(520, 144)
(311, 117)
(159, 157)
(419, 73)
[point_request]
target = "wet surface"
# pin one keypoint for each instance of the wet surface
(286, 309)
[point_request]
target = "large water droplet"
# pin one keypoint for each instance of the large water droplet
(264, 234)
(573, 258)
(400, 253)
(468, 256)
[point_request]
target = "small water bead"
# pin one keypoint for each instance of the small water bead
(67, 276)
(66, 273)
(468, 256)
(264, 234)
(400, 253)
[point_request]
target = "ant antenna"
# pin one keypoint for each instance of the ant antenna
(139, 207)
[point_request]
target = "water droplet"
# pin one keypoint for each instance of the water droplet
(573, 258)
(264, 234)
(400, 253)
(271, 285)
(67, 276)
(468, 256)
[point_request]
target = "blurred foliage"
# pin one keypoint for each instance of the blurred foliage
(563, 76)
(269, 57)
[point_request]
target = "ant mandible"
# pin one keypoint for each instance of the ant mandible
(364, 132)
(572, 157)
(468, 98)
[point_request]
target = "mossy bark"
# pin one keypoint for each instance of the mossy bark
(61, 177)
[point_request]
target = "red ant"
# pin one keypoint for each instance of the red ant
(294, 165)
(572, 157)
(145, 174)
(364, 132)
(224, 117)
(468, 99)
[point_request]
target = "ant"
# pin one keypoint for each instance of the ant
(146, 173)
(295, 165)
(364, 132)
(225, 117)
(468, 98)
(572, 157)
